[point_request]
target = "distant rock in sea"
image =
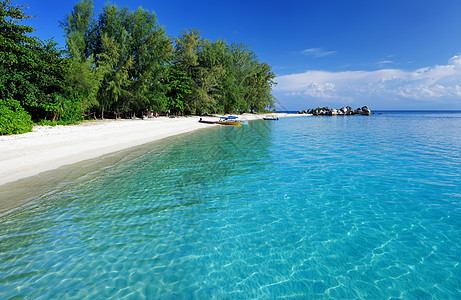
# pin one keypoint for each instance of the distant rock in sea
(345, 111)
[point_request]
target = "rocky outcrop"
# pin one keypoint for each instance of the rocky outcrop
(345, 111)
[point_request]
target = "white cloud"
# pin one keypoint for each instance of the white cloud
(437, 84)
(385, 62)
(321, 90)
(455, 60)
(317, 52)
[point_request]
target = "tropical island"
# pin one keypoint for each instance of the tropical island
(121, 64)
(142, 200)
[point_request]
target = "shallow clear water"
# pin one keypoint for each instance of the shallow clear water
(308, 207)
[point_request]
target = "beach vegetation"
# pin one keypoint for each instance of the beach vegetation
(13, 118)
(179, 86)
(141, 68)
(33, 72)
(123, 62)
(224, 78)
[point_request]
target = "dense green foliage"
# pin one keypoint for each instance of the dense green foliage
(13, 118)
(33, 72)
(122, 63)
(137, 67)
(223, 78)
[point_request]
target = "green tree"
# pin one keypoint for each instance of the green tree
(178, 88)
(260, 84)
(132, 53)
(48, 75)
(15, 54)
(209, 77)
(115, 85)
(187, 46)
(243, 65)
(247, 83)
(132, 66)
(83, 79)
(78, 27)
(31, 71)
(152, 50)
(185, 62)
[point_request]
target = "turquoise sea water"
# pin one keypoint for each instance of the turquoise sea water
(300, 208)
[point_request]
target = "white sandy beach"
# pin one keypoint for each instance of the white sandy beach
(48, 148)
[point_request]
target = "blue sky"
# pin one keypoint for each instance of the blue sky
(386, 54)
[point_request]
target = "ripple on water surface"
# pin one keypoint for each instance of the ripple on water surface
(301, 208)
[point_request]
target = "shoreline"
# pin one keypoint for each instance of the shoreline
(33, 158)
(48, 148)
